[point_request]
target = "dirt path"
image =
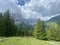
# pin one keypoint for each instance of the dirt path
(52, 43)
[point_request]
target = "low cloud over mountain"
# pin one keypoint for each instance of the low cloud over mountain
(32, 8)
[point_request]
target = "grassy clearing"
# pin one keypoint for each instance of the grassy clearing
(26, 41)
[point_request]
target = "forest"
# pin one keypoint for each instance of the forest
(39, 30)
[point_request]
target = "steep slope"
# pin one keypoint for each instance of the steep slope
(54, 19)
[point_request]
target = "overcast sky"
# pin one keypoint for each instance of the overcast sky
(32, 8)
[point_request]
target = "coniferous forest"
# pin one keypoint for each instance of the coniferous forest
(40, 30)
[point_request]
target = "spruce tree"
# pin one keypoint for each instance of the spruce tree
(39, 30)
(1, 25)
(10, 29)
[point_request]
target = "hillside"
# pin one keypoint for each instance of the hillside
(54, 19)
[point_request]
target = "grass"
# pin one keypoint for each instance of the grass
(26, 41)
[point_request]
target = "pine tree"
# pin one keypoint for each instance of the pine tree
(39, 30)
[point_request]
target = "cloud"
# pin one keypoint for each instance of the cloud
(55, 8)
(41, 8)
(23, 2)
(32, 9)
(12, 5)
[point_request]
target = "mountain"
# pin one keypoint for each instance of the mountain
(19, 18)
(31, 21)
(54, 19)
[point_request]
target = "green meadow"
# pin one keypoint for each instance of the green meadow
(26, 41)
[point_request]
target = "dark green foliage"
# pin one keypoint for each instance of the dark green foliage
(24, 29)
(7, 26)
(0, 15)
(39, 30)
(30, 29)
(2, 27)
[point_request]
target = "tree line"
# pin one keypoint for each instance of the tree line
(41, 31)
(50, 31)
(9, 28)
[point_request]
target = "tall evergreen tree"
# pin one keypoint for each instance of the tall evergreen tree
(39, 30)
(10, 29)
(1, 25)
